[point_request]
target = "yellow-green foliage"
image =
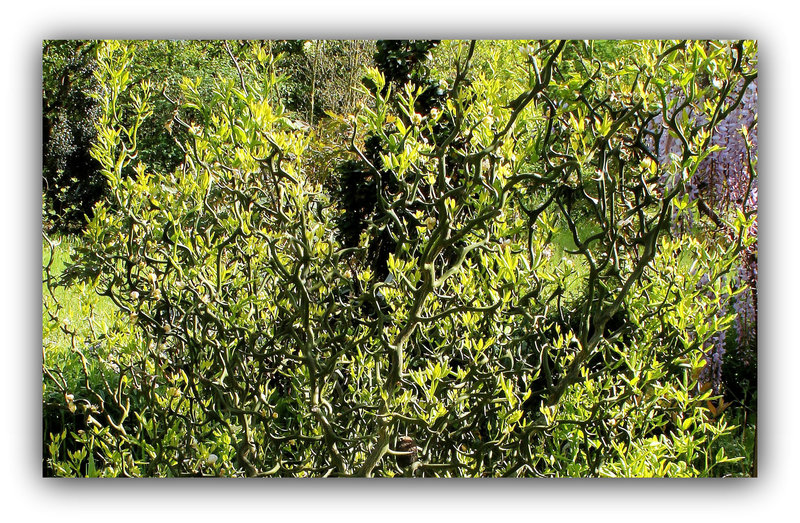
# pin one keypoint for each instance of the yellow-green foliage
(538, 317)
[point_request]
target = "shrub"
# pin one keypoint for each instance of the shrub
(263, 345)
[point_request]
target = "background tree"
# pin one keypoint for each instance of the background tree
(325, 75)
(71, 181)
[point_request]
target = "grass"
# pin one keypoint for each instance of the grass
(73, 316)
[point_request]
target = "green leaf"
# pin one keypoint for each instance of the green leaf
(91, 469)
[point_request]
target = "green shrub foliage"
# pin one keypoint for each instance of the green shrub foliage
(533, 315)
(72, 182)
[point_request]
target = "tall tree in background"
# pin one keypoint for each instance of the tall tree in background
(71, 178)
(323, 76)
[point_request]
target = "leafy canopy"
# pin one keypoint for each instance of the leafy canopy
(533, 314)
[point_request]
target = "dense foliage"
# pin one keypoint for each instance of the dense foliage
(491, 284)
(725, 182)
(71, 179)
(319, 77)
